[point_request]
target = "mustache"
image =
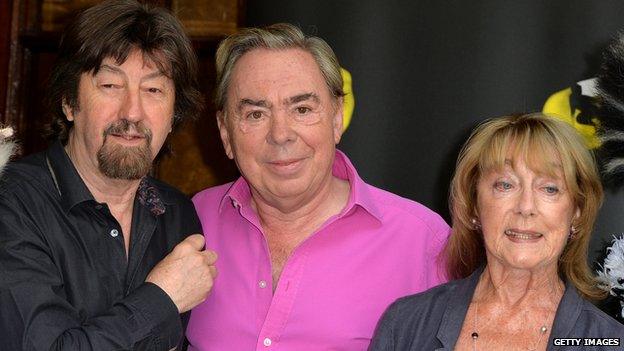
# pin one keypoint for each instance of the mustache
(123, 127)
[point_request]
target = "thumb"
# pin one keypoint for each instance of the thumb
(196, 241)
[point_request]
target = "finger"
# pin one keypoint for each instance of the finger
(210, 256)
(195, 241)
(213, 272)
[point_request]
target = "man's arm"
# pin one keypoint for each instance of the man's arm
(36, 314)
(436, 273)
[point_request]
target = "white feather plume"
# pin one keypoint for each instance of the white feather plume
(7, 146)
(611, 278)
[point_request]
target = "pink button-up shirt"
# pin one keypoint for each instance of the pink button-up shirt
(334, 286)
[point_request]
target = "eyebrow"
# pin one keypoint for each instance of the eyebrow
(117, 70)
(303, 97)
(251, 102)
(292, 100)
(111, 69)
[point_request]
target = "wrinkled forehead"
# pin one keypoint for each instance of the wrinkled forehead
(264, 71)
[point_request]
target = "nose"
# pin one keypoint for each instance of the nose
(281, 131)
(132, 107)
(525, 205)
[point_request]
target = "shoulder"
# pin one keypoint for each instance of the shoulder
(578, 318)
(211, 196)
(414, 320)
(170, 194)
(28, 173)
(424, 304)
(395, 206)
(594, 317)
(410, 312)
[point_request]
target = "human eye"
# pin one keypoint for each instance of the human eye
(502, 185)
(551, 189)
(154, 90)
(254, 115)
(302, 110)
(306, 114)
(109, 85)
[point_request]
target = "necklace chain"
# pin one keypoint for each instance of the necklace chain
(475, 335)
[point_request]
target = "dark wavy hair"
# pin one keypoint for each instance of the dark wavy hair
(112, 29)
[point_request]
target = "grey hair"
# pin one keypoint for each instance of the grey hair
(278, 36)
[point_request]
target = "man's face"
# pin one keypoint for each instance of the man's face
(123, 117)
(281, 123)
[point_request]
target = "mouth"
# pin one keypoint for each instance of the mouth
(131, 137)
(287, 166)
(129, 133)
(285, 163)
(522, 235)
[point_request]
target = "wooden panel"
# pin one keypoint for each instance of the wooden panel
(197, 160)
(207, 17)
(5, 53)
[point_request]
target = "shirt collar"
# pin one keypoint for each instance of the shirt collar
(239, 194)
(567, 313)
(69, 184)
(73, 190)
(456, 309)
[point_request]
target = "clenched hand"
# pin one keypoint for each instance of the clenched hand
(187, 273)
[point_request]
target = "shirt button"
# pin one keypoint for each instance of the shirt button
(262, 284)
(98, 207)
(267, 342)
(114, 233)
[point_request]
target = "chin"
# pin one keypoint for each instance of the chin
(281, 192)
(527, 263)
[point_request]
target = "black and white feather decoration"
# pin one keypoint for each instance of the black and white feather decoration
(611, 277)
(610, 113)
(610, 130)
(7, 146)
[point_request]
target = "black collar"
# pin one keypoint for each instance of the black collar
(69, 184)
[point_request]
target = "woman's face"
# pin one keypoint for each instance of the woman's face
(525, 216)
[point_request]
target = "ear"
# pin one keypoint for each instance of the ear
(68, 111)
(338, 118)
(577, 214)
(225, 134)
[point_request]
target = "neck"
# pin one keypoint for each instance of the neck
(514, 287)
(117, 193)
(302, 212)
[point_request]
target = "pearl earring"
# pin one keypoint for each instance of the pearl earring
(475, 223)
(573, 232)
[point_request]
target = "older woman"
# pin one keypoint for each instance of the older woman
(523, 199)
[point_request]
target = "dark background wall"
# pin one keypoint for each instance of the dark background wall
(425, 72)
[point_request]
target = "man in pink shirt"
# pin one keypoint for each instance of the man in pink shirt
(309, 255)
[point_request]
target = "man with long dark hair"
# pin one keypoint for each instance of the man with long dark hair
(94, 253)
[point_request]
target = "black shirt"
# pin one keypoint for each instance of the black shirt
(65, 280)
